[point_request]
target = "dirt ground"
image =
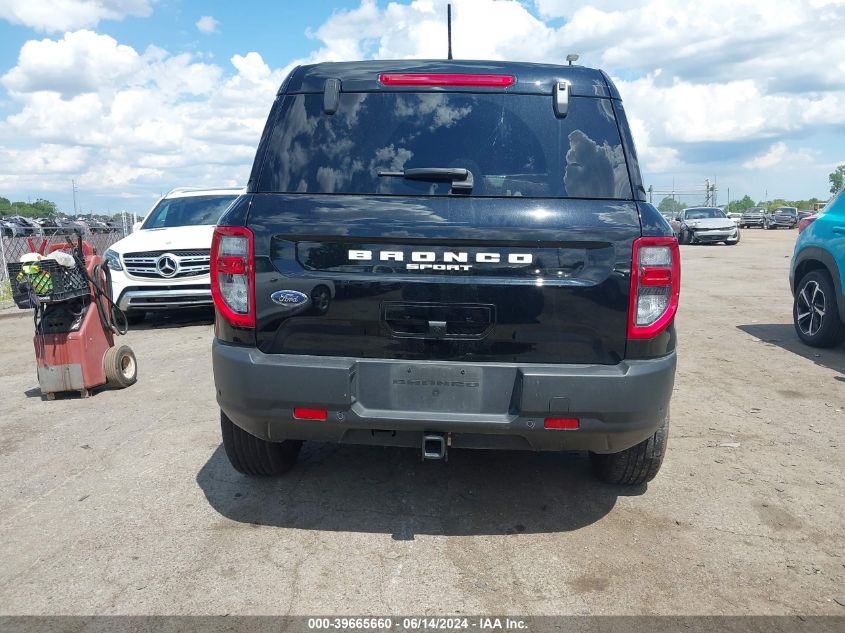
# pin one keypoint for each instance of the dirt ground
(124, 503)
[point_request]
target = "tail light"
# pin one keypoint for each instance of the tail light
(655, 286)
(233, 274)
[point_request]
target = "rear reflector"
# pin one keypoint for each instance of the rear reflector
(428, 79)
(562, 423)
(301, 413)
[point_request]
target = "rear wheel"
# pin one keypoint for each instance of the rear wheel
(121, 367)
(253, 456)
(636, 465)
(815, 311)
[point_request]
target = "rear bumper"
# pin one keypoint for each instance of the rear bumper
(483, 405)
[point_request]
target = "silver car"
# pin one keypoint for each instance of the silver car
(707, 225)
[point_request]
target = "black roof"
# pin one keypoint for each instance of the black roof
(362, 76)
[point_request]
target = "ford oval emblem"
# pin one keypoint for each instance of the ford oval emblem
(289, 297)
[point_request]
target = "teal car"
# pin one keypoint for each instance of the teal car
(816, 277)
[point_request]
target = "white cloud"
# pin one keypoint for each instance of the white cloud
(132, 123)
(771, 157)
(779, 155)
(67, 15)
(80, 62)
(207, 24)
(565, 8)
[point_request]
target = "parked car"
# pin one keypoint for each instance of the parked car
(806, 221)
(483, 324)
(816, 278)
(164, 264)
(22, 227)
(7, 229)
(98, 227)
(736, 217)
(782, 216)
(754, 216)
(54, 226)
(707, 225)
(672, 219)
(76, 224)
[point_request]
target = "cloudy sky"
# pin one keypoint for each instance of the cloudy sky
(134, 97)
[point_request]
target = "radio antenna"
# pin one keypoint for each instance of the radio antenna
(449, 26)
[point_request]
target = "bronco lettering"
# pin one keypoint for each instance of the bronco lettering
(448, 260)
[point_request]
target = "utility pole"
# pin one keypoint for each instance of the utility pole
(73, 183)
(706, 192)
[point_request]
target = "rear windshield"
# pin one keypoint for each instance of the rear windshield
(189, 211)
(513, 145)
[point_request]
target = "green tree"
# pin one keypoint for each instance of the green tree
(36, 209)
(670, 205)
(837, 179)
(45, 206)
(738, 206)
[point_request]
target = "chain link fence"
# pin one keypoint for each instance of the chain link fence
(11, 249)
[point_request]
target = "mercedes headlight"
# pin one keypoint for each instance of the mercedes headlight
(112, 260)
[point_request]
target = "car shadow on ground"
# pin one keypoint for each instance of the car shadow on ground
(391, 491)
(783, 335)
(175, 319)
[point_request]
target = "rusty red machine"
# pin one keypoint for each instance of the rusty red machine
(76, 320)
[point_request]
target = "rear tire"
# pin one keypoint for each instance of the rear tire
(815, 311)
(636, 465)
(256, 457)
(121, 367)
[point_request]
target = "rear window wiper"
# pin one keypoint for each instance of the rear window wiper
(460, 178)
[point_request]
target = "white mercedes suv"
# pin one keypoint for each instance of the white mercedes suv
(164, 264)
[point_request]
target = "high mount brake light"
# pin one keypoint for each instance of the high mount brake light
(233, 274)
(655, 286)
(446, 79)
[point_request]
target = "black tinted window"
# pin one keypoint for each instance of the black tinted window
(513, 145)
(189, 211)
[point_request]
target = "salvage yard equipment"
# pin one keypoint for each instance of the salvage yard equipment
(75, 319)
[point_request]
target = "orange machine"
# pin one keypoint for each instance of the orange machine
(75, 322)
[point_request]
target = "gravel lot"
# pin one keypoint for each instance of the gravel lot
(124, 503)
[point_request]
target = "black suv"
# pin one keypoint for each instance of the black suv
(499, 280)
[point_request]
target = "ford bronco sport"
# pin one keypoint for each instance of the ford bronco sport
(501, 282)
